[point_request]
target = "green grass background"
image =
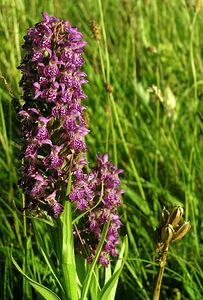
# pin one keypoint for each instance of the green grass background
(151, 125)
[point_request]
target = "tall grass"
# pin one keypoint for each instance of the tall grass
(150, 52)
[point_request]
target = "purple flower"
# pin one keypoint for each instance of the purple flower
(53, 127)
(39, 185)
(55, 207)
(87, 194)
(51, 71)
(53, 160)
(53, 131)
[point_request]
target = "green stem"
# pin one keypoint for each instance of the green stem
(159, 277)
(25, 248)
(191, 175)
(156, 202)
(68, 255)
(105, 42)
(101, 61)
(90, 272)
(113, 134)
(25, 286)
(192, 58)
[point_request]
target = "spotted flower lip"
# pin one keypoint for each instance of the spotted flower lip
(53, 127)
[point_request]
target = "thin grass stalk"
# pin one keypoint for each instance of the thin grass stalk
(106, 78)
(107, 129)
(126, 149)
(105, 41)
(113, 136)
(156, 154)
(25, 283)
(194, 73)
(191, 173)
(112, 102)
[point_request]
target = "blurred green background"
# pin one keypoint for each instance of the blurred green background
(150, 54)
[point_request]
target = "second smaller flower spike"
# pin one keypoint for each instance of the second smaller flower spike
(99, 193)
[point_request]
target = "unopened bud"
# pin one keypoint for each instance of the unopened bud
(175, 216)
(164, 216)
(95, 28)
(182, 231)
(167, 234)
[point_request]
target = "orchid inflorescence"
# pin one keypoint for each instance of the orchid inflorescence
(99, 190)
(53, 130)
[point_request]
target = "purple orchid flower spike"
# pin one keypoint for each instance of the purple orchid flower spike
(53, 132)
(53, 127)
(87, 194)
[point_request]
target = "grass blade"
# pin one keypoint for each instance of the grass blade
(109, 290)
(91, 269)
(42, 290)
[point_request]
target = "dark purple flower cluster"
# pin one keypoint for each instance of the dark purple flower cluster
(99, 193)
(53, 125)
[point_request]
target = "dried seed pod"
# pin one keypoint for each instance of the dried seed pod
(164, 216)
(167, 233)
(182, 231)
(175, 216)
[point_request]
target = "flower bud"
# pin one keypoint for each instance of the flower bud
(164, 216)
(167, 233)
(175, 216)
(95, 28)
(182, 231)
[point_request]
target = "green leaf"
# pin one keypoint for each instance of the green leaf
(91, 269)
(42, 290)
(68, 265)
(109, 290)
(108, 273)
(49, 264)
